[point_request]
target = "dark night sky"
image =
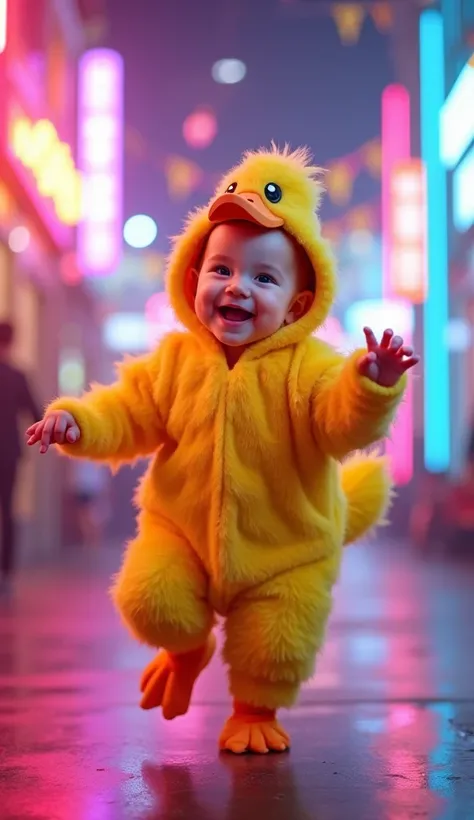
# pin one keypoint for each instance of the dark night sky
(302, 86)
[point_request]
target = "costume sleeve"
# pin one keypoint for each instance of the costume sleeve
(119, 422)
(349, 411)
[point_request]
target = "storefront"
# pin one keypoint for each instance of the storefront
(457, 156)
(39, 207)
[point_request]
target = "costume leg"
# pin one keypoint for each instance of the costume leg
(273, 634)
(161, 594)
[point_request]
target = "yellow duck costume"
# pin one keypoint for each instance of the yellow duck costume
(245, 507)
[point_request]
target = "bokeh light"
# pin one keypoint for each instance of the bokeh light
(229, 71)
(69, 269)
(140, 231)
(19, 239)
(361, 242)
(200, 128)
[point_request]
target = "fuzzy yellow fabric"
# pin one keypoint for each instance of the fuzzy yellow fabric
(244, 508)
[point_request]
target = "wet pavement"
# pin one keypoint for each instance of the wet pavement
(385, 731)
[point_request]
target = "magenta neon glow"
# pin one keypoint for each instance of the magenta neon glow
(100, 157)
(3, 24)
(159, 317)
(395, 149)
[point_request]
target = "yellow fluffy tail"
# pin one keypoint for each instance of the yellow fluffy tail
(367, 485)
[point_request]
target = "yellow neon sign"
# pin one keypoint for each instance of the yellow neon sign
(38, 147)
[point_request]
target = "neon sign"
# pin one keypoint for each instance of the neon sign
(456, 119)
(38, 147)
(3, 25)
(395, 148)
(408, 231)
(437, 394)
(101, 161)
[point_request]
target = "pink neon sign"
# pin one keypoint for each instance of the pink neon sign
(408, 231)
(3, 25)
(396, 150)
(160, 317)
(100, 157)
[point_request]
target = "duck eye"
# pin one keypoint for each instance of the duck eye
(273, 192)
(231, 188)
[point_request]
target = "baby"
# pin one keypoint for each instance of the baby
(245, 507)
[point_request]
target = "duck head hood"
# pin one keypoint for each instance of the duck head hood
(274, 189)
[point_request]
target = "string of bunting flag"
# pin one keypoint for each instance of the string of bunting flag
(349, 18)
(363, 217)
(184, 176)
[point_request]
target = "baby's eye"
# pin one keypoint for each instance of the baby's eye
(265, 279)
(222, 270)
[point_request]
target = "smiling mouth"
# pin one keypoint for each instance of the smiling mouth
(235, 314)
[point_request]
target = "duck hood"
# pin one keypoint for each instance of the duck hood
(275, 189)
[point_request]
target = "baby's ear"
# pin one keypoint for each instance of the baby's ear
(299, 306)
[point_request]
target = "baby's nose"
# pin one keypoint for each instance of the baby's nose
(237, 287)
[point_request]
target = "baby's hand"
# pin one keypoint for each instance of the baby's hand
(386, 362)
(56, 428)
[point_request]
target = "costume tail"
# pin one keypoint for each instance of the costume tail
(367, 485)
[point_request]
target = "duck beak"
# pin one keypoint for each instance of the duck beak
(247, 206)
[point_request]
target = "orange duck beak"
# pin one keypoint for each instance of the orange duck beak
(245, 205)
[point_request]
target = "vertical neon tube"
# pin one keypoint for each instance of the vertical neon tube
(436, 307)
(395, 149)
(3, 25)
(100, 154)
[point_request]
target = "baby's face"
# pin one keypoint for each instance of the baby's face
(251, 282)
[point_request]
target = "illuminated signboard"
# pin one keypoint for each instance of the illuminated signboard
(39, 149)
(437, 407)
(3, 25)
(456, 119)
(101, 161)
(395, 148)
(408, 231)
(463, 193)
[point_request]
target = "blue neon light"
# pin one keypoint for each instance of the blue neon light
(436, 307)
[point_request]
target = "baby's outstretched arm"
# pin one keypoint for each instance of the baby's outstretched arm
(119, 422)
(354, 402)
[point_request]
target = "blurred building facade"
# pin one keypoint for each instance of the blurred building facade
(40, 196)
(458, 19)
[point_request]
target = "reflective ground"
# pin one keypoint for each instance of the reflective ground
(385, 731)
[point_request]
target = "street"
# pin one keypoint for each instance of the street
(384, 731)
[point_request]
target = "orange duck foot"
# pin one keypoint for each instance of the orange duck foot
(253, 730)
(169, 679)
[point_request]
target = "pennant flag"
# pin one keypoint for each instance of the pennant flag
(339, 183)
(372, 157)
(360, 218)
(348, 18)
(382, 15)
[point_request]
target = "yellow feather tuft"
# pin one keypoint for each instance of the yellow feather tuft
(367, 485)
